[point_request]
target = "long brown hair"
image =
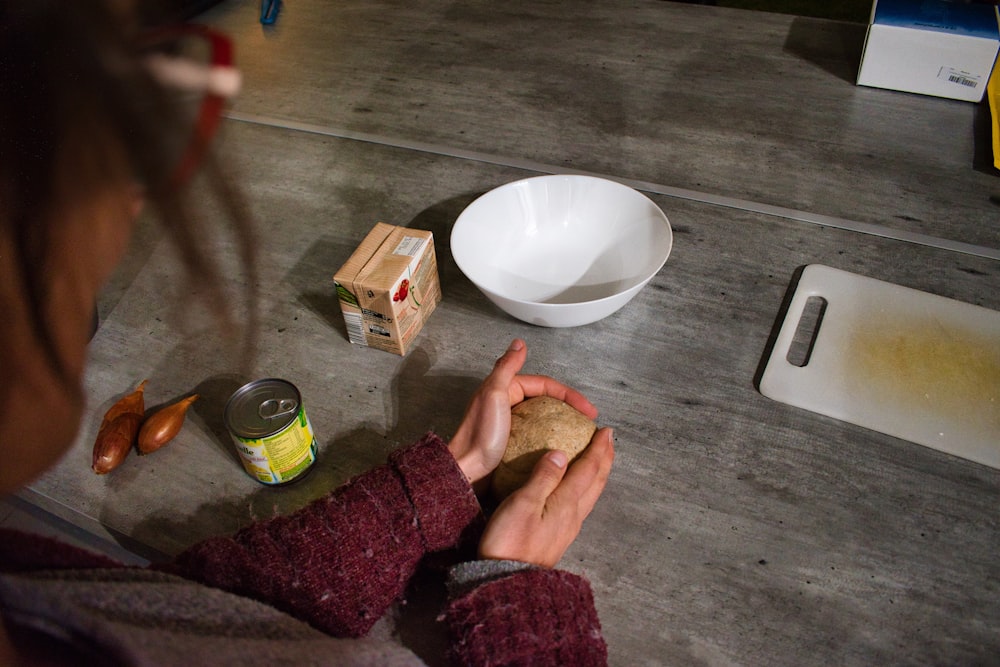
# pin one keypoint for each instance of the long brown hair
(76, 98)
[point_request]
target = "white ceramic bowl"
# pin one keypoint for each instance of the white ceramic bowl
(561, 251)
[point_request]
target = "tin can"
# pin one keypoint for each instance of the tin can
(271, 431)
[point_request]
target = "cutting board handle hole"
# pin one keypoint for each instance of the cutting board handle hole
(806, 332)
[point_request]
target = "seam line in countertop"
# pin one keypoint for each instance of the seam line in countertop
(115, 544)
(645, 186)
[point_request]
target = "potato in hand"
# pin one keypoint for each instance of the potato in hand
(538, 425)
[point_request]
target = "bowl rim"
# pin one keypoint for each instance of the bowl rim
(639, 284)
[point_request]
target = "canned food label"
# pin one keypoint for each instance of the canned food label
(283, 456)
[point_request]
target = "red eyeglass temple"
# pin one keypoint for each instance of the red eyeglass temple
(210, 112)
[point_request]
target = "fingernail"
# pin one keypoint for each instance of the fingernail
(558, 458)
(516, 345)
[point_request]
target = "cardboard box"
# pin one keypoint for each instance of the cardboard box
(389, 287)
(944, 48)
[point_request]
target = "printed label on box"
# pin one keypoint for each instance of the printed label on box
(962, 78)
(409, 246)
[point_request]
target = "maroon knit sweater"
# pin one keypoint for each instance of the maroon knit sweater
(340, 562)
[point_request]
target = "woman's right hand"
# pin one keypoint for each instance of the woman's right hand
(538, 522)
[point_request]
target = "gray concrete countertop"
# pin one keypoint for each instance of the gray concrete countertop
(734, 529)
(750, 106)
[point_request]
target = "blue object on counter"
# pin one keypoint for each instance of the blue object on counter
(948, 16)
(269, 11)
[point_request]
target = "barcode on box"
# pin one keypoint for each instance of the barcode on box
(961, 78)
(355, 328)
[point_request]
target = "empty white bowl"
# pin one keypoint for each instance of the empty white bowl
(561, 251)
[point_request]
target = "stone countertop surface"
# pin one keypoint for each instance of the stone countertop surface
(734, 529)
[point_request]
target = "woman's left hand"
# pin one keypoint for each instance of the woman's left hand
(482, 436)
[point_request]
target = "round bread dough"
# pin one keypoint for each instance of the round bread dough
(538, 425)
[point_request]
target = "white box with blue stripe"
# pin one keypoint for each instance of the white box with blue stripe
(945, 48)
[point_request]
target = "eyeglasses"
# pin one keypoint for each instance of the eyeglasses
(196, 64)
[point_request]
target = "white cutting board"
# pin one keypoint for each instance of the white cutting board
(897, 360)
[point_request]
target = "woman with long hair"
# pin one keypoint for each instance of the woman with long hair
(89, 135)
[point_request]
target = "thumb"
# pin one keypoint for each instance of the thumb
(511, 361)
(547, 474)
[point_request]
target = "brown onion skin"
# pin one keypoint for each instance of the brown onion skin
(162, 426)
(134, 402)
(119, 430)
(115, 441)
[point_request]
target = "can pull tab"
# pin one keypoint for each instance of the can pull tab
(274, 407)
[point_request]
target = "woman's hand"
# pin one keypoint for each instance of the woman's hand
(538, 522)
(482, 436)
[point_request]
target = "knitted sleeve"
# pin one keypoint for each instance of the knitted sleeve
(340, 562)
(533, 616)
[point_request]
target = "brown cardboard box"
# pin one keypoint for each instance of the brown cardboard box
(389, 287)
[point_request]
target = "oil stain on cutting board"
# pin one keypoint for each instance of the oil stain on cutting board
(926, 366)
